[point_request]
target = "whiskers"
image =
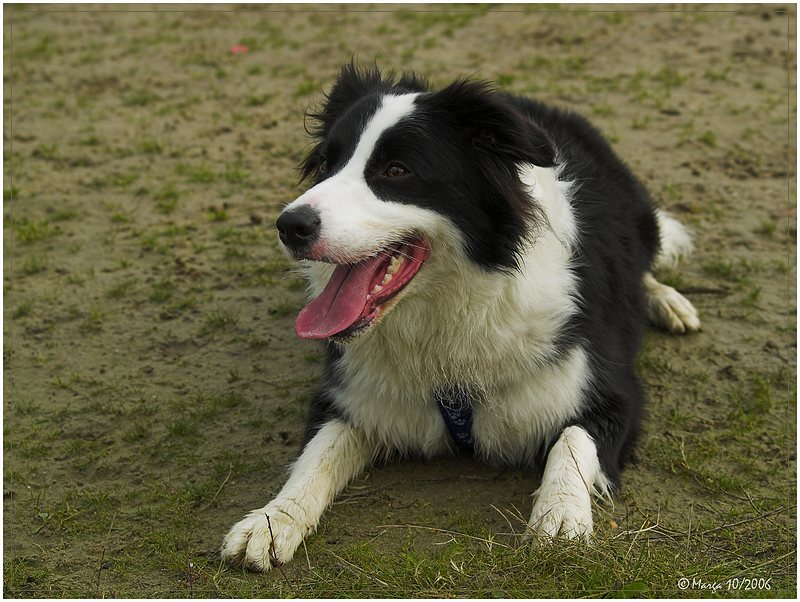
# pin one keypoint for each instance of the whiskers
(391, 248)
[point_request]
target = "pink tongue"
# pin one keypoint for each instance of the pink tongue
(342, 302)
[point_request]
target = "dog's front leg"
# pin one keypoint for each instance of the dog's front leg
(270, 535)
(563, 503)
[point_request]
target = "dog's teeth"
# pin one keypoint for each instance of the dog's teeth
(395, 264)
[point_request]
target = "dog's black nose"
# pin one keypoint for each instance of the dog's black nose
(299, 227)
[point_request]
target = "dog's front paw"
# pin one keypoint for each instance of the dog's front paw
(263, 539)
(560, 514)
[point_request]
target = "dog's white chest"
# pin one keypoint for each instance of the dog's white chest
(510, 419)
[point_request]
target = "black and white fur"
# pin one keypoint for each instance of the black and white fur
(534, 297)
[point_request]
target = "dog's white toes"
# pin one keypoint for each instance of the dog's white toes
(566, 516)
(688, 315)
(247, 544)
(674, 312)
(250, 542)
(670, 310)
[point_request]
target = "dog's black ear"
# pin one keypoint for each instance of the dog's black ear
(499, 138)
(352, 84)
(410, 82)
(493, 125)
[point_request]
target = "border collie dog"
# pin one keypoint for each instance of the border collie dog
(479, 269)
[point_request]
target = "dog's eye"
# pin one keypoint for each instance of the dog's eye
(395, 170)
(323, 164)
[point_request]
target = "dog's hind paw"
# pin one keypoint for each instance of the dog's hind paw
(668, 309)
(265, 538)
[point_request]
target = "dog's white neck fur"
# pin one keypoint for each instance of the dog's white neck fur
(459, 323)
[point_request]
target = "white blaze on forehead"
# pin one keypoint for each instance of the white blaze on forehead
(391, 110)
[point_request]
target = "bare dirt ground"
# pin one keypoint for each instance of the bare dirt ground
(154, 390)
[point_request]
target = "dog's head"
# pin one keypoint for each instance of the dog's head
(406, 178)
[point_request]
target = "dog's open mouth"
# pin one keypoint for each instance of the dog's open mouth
(355, 294)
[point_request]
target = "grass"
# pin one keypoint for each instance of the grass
(150, 147)
(159, 240)
(162, 291)
(196, 174)
(708, 138)
(28, 230)
(119, 217)
(217, 214)
(32, 265)
(736, 270)
(140, 98)
(157, 391)
(767, 228)
(121, 288)
(257, 100)
(306, 88)
(469, 561)
(92, 322)
(447, 22)
(220, 319)
(479, 564)
(22, 310)
(167, 199)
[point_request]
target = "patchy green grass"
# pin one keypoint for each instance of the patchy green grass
(32, 265)
(464, 560)
(121, 288)
(140, 98)
(23, 310)
(28, 230)
(156, 393)
(220, 319)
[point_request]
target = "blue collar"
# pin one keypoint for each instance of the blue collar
(456, 409)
